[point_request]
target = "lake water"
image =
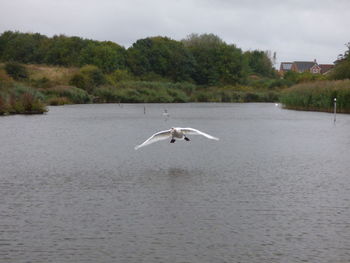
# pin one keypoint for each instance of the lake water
(275, 188)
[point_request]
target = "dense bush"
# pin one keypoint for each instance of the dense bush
(89, 78)
(16, 70)
(271, 84)
(21, 99)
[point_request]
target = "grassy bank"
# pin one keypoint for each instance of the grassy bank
(63, 85)
(318, 96)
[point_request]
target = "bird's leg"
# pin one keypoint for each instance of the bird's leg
(186, 139)
(172, 140)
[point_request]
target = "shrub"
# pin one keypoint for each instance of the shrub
(177, 95)
(3, 105)
(24, 100)
(16, 70)
(94, 75)
(89, 78)
(41, 83)
(78, 81)
(56, 101)
(120, 75)
(4, 78)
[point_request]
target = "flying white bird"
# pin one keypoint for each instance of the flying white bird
(174, 133)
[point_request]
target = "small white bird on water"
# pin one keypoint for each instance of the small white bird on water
(166, 115)
(174, 133)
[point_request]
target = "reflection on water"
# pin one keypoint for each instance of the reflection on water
(173, 171)
(275, 188)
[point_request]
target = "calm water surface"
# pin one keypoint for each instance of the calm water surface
(275, 188)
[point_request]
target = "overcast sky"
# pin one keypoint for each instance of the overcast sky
(294, 29)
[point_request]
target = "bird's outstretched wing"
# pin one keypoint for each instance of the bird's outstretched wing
(162, 135)
(192, 131)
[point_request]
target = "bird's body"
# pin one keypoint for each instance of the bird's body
(177, 133)
(174, 134)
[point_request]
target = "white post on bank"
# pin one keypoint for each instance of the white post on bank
(335, 110)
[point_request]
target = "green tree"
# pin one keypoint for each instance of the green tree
(108, 56)
(160, 56)
(20, 47)
(216, 62)
(342, 65)
(260, 63)
(65, 51)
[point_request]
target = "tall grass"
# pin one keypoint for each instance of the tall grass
(57, 75)
(318, 96)
(59, 95)
(234, 94)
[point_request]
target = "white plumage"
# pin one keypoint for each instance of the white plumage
(174, 133)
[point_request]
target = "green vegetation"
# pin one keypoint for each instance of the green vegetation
(342, 66)
(296, 78)
(16, 71)
(216, 63)
(59, 95)
(16, 99)
(235, 94)
(162, 58)
(204, 60)
(37, 70)
(318, 96)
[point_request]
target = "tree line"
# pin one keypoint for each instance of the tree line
(200, 59)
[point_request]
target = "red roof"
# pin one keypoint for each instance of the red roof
(325, 67)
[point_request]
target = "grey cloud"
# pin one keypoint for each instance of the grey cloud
(295, 29)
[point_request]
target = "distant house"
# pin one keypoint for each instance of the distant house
(305, 66)
(285, 67)
(326, 68)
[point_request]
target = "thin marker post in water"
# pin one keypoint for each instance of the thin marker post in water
(335, 110)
